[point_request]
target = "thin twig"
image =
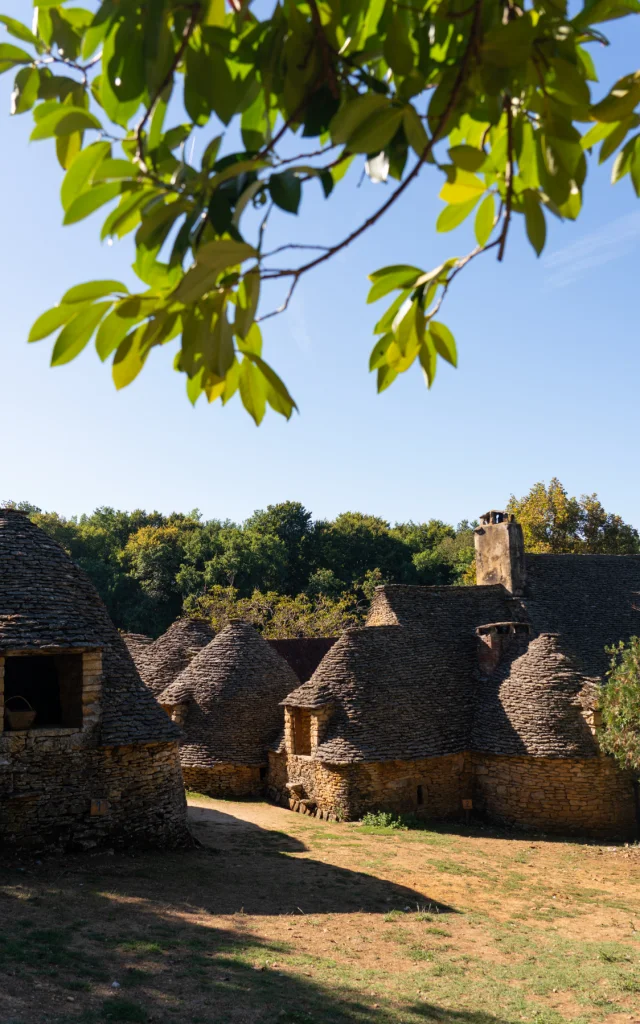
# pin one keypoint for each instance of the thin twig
(508, 180)
(294, 245)
(283, 307)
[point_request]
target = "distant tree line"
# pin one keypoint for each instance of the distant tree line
(292, 575)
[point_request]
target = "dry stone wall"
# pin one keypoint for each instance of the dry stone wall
(58, 792)
(224, 780)
(567, 796)
(432, 787)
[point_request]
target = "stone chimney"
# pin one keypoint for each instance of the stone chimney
(497, 639)
(499, 547)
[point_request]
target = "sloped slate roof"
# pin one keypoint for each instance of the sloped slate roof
(232, 690)
(137, 645)
(169, 655)
(47, 602)
(442, 610)
(397, 694)
(534, 703)
(592, 601)
(303, 653)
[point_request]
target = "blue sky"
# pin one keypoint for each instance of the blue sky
(547, 382)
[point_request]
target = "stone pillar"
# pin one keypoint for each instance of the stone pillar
(91, 688)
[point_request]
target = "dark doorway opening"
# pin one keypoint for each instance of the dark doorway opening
(419, 795)
(301, 722)
(52, 685)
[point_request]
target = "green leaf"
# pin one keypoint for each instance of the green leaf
(286, 191)
(443, 342)
(567, 84)
(428, 361)
(80, 173)
(635, 166)
(454, 215)
(113, 330)
(467, 158)
(596, 134)
(76, 335)
(253, 390)
(380, 350)
(386, 376)
(116, 170)
(397, 48)
(277, 394)
(93, 290)
(414, 130)
(50, 321)
(534, 220)
(17, 29)
(11, 55)
(64, 121)
(485, 218)
(68, 148)
(129, 358)
(211, 260)
(25, 90)
(376, 132)
(247, 302)
(89, 202)
(462, 188)
(621, 101)
(354, 113)
(390, 278)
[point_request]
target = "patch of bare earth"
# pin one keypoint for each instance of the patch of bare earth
(282, 919)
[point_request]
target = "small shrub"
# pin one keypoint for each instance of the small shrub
(620, 700)
(383, 819)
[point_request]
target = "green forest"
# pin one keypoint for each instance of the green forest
(293, 575)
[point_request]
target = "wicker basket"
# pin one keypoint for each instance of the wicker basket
(19, 720)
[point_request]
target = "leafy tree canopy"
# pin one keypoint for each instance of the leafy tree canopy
(280, 569)
(197, 125)
(554, 522)
(620, 702)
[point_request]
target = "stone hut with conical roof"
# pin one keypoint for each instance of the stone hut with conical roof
(162, 661)
(86, 753)
(227, 702)
(460, 698)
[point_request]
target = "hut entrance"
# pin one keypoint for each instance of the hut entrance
(301, 722)
(51, 683)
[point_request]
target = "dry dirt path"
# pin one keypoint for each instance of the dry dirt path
(279, 918)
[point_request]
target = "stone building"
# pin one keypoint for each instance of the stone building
(482, 697)
(86, 753)
(228, 703)
(162, 661)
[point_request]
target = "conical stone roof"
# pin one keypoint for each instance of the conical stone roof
(163, 660)
(535, 703)
(137, 646)
(47, 603)
(232, 691)
(395, 693)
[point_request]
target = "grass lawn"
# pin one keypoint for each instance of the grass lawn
(281, 919)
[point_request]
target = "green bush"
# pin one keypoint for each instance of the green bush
(383, 819)
(620, 703)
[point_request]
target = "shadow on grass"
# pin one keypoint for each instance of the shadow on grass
(73, 927)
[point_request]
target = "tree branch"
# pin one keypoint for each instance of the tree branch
(189, 27)
(393, 198)
(508, 180)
